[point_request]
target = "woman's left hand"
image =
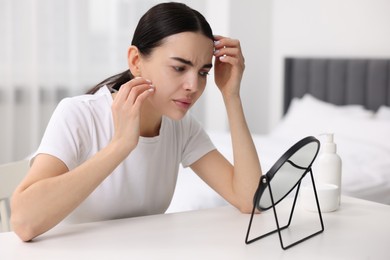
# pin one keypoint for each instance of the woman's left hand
(229, 65)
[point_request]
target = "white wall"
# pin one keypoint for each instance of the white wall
(250, 22)
(336, 28)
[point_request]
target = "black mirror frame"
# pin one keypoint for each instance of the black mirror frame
(267, 178)
(265, 182)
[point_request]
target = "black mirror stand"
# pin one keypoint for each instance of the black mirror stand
(278, 228)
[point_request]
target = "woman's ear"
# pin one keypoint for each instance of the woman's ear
(133, 60)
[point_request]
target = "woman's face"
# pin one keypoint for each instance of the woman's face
(178, 69)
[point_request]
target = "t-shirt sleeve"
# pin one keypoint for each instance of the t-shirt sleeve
(197, 142)
(67, 136)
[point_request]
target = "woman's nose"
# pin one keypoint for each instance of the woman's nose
(191, 84)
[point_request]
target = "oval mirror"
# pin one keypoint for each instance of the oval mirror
(286, 173)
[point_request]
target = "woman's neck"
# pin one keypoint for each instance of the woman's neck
(150, 121)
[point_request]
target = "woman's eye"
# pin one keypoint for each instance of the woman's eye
(178, 68)
(204, 73)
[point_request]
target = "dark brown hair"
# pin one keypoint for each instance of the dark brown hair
(159, 22)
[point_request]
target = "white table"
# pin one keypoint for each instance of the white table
(358, 230)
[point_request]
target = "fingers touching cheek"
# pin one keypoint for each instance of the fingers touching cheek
(131, 90)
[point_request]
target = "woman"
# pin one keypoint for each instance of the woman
(116, 153)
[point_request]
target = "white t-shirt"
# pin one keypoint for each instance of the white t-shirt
(144, 182)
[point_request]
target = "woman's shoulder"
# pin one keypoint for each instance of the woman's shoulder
(85, 103)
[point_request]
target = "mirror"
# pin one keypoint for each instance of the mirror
(286, 173)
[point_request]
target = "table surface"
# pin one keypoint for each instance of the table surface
(358, 230)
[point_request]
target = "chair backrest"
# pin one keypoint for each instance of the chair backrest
(11, 174)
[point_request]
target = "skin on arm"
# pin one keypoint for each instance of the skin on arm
(236, 183)
(47, 195)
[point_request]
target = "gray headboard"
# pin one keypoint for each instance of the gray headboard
(338, 81)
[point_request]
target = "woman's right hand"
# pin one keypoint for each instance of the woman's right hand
(126, 110)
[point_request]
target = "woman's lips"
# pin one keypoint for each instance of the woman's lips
(183, 103)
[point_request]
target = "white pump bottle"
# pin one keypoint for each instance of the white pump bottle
(329, 164)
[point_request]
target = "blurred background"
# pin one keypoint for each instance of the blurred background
(51, 49)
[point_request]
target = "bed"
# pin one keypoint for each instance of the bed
(348, 97)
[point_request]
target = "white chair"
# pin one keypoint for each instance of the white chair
(11, 174)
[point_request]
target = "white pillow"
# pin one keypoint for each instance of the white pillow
(383, 113)
(309, 116)
(323, 108)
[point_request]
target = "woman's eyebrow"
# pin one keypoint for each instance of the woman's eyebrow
(189, 63)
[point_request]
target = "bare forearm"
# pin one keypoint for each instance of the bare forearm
(45, 203)
(247, 169)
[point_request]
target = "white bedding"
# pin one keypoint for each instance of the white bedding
(362, 142)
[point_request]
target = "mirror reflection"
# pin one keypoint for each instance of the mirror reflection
(287, 172)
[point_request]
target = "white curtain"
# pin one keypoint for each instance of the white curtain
(50, 49)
